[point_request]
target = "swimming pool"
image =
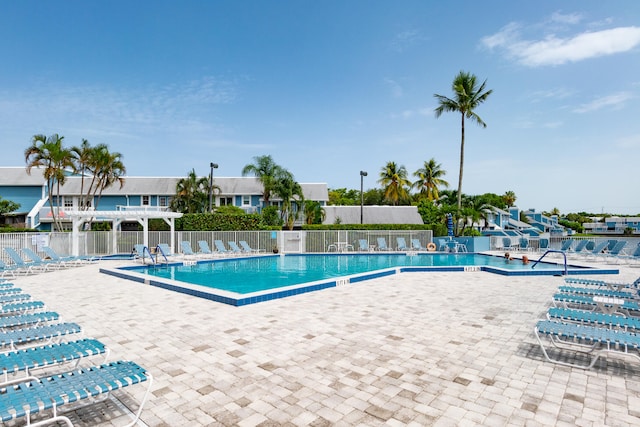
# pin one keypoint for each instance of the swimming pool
(247, 280)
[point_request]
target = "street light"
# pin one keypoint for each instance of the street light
(362, 175)
(213, 166)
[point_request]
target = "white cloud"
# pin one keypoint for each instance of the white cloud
(396, 89)
(569, 18)
(629, 142)
(404, 40)
(616, 100)
(554, 50)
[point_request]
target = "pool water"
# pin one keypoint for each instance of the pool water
(254, 274)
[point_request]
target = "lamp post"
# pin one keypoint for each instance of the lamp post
(213, 166)
(362, 175)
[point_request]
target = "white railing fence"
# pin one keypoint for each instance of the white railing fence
(298, 241)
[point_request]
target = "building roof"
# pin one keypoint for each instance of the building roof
(17, 176)
(373, 215)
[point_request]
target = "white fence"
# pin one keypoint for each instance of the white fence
(298, 241)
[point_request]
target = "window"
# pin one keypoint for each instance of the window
(163, 201)
(246, 200)
(68, 202)
(145, 200)
(226, 201)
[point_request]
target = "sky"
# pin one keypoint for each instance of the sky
(332, 88)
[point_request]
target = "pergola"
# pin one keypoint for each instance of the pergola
(79, 218)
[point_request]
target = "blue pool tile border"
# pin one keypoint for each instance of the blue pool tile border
(239, 300)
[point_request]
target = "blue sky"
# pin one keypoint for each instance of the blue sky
(334, 87)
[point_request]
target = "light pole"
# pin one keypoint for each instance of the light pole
(213, 166)
(362, 175)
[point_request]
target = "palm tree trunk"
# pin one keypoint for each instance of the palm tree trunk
(461, 169)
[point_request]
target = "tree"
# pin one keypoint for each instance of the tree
(509, 198)
(467, 97)
(7, 206)
(344, 197)
(48, 153)
(81, 157)
(267, 172)
(314, 212)
(393, 179)
(109, 171)
(287, 189)
(429, 179)
(192, 194)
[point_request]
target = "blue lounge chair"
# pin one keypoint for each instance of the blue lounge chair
(580, 247)
(235, 248)
(67, 259)
(10, 270)
(614, 252)
(20, 263)
(248, 248)
(382, 244)
(604, 304)
(595, 282)
(524, 244)
(204, 248)
(586, 339)
(38, 260)
(363, 245)
(633, 256)
(402, 244)
(508, 245)
(11, 298)
(9, 290)
(597, 250)
(7, 322)
(185, 246)
(28, 359)
(416, 245)
(46, 333)
(594, 318)
(220, 248)
(566, 245)
(598, 291)
(15, 308)
(34, 396)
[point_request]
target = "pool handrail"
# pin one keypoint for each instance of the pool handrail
(553, 251)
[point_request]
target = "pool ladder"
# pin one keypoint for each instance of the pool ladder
(552, 251)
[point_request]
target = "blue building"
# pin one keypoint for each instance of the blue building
(137, 193)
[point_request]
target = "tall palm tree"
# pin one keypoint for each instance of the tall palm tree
(47, 152)
(314, 212)
(82, 155)
(192, 194)
(289, 190)
(430, 178)
(267, 172)
(393, 179)
(111, 171)
(467, 96)
(509, 198)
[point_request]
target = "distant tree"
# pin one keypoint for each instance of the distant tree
(288, 189)
(429, 179)
(270, 216)
(267, 172)
(344, 197)
(48, 153)
(314, 212)
(393, 179)
(7, 206)
(192, 194)
(509, 198)
(373, 197)
(467, 96)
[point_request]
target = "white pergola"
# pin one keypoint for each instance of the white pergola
(79, 218)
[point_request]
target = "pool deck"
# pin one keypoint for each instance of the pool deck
(439, 348)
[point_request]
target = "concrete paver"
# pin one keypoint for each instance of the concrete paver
(410, 349)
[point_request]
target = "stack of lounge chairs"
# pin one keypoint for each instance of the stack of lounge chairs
(27, 261)
(47, 365)
(589, 319)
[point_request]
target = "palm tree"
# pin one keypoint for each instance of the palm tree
(286, 187)
(267, 172)
(314, 212)
(430, 178)
(82, 155)
(467, 97)
(509, 198)
(192, 194)
(47, 152)
(394, 181)
(111, 171)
